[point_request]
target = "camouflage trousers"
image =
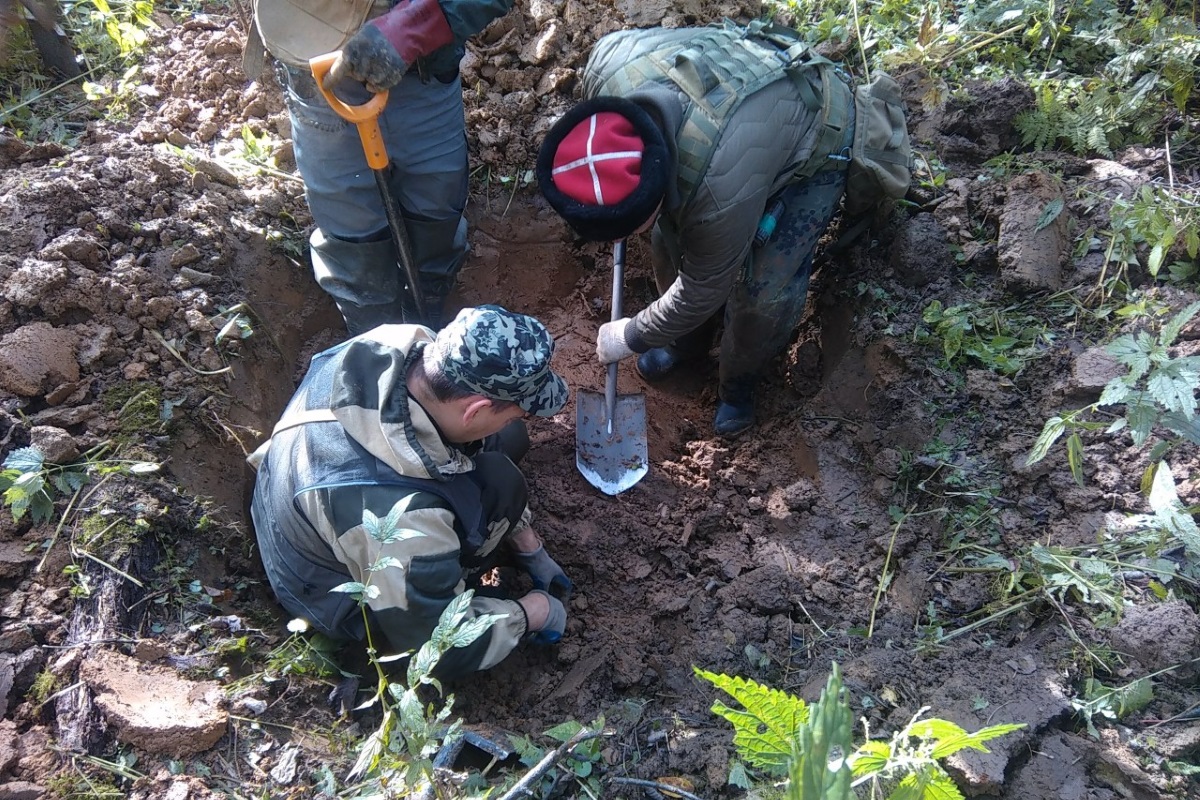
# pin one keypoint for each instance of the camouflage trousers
(765, 306)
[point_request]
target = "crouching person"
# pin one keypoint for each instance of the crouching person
(428, 429)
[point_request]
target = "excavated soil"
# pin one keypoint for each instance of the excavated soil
(122, 260)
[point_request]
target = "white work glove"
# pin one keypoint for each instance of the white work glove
(610, 342)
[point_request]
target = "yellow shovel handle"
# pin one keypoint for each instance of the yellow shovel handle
(365, 116)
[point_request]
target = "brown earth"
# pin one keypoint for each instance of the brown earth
(122, 259)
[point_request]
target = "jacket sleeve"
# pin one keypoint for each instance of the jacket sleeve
(417, 574)
(711, 249)
(468, 17)
(709, 237)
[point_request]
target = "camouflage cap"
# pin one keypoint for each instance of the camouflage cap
(505, 356)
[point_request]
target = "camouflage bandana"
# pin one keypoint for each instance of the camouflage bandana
(505, 356)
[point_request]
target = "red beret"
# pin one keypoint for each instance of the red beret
(604, 168)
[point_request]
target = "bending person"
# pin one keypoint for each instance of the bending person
(706, 134)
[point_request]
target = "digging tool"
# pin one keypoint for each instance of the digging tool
(366, 118)
(610, 429)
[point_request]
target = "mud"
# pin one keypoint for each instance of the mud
(824, 535)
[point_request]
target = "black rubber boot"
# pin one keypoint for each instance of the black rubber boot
(659, 362)
(735, 412)
(433, 296)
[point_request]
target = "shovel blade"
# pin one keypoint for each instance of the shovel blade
(612, 462)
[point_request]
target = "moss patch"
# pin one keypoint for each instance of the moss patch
(137, 406)
(108, 536)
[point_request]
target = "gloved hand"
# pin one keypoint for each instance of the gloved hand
(343, 698)
(383, 49)
(610, 342)
(544, 570)
(552, 629)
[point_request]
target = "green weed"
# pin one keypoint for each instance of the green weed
(781, 736)
(1158, 391)
(1110, 702)
(1001, 339)
(30, 484)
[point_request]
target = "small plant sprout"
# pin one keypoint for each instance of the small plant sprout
(398, 754)
(236, 323)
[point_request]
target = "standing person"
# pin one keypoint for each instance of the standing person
(411, 49)
(422, 431)
(708, 134)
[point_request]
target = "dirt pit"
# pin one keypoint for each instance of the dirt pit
(157, 305)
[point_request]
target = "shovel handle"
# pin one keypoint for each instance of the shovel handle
(365, 116)
(618, 277)
(610, 383)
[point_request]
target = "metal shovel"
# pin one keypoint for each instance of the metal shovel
(610, 429)
(366, 118)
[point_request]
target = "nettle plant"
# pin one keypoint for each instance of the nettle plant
(1001, 339)
(398, 755)
(31, 486)
(1158, 391)
(810, 748)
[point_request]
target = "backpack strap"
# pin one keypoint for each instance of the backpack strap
(833, 103)
(828, 151)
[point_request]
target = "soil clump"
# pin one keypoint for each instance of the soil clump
(157, 306)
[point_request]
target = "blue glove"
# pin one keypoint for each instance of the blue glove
(545, 571)
(556, 621)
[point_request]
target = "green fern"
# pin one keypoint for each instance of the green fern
(778, 733)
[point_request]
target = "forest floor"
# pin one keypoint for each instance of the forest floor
(157, 305)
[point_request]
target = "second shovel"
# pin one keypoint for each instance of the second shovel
(366, 118)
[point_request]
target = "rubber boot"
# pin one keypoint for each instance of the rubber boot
(659, 362)
(439, 248)
(433, 295)
(735, 412)
(361, 277)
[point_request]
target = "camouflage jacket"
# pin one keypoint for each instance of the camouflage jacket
(708, 237)
(353, 440)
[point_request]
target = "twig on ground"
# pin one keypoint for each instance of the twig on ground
(549, 760)
(665, 788)
(883, 574)
(62, 522)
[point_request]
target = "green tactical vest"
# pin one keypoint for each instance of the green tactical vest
(718, 67)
